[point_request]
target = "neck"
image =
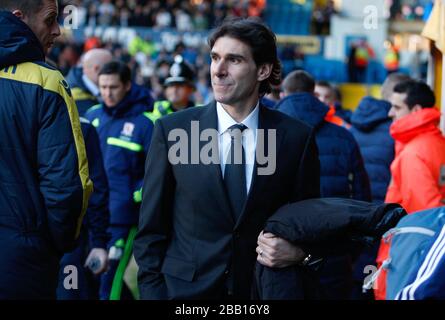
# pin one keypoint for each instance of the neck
(239, 113)
(179, 106)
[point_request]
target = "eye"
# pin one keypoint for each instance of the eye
(50, 21)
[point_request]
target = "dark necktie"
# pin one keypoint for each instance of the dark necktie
(234, 171)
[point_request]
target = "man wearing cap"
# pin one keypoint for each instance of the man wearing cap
(179, 88)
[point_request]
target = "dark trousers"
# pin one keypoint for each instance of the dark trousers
(87, 283)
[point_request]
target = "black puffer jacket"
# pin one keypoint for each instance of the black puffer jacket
(320, 227)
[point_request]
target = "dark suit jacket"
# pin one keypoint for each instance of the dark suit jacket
(188, 243)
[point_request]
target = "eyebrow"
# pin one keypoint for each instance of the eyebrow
(234, 55)
(51, 15)
(229, 55)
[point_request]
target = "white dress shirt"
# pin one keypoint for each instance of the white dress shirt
(91, 86)
(249, 139)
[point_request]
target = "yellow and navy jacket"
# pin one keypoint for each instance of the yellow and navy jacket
(97, 217)
(124, 134)
(44, 180)
(83, 97)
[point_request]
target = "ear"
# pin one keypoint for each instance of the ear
(128, 86)
(416, 108)
(264, 71)
(19, 14)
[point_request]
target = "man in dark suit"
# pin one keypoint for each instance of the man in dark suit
(200, 219)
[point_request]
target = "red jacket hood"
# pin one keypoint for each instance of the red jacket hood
(422, 121)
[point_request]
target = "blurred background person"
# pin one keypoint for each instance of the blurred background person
(83, 80)
(342, 172)
(179, 88)
(90, 256)
(124, 133)
(370, 127)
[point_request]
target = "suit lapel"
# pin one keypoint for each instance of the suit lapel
(265, 122)
(212, 172)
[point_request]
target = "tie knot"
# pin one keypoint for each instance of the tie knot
(239, 126)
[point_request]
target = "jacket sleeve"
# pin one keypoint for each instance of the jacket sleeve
(62, 168)
(308, 177)
(419, 189)
(361, 188)
(98, 214)
(137, 193)
(155, 219)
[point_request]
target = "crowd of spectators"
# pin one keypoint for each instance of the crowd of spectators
(193, 15)
(148, 60)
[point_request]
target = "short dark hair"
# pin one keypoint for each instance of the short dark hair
(325, 84)
(119, 68)
(390, 82)
(299, 81)
(261, 40)
(26, 6)
(417, 93)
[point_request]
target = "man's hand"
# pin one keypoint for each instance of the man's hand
(276, 252)
(97, 261)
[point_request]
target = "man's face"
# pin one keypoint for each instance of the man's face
(112, 89)
(178, 94)
(92, 70)
(44, 23)
(324, 94)
(399, 108)
(234, 74)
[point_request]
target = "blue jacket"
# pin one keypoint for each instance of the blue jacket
(342, 171)
(44, 182)
(345, 114)
(83, 97)
(97, 217)
(125, 133)
(268, 103)
(370, 127)
(415, 265)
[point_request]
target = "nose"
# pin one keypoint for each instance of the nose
(219, 68)
(391, 113)
(56, 30)
(106, 93)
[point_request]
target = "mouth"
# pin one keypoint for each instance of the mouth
(221, 85)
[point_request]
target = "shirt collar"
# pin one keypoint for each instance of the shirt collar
(91, 86)
(225, 120)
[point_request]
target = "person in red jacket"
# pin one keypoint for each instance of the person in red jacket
(418, 169)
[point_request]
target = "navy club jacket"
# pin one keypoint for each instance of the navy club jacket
(124, 133)
(44, 180)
